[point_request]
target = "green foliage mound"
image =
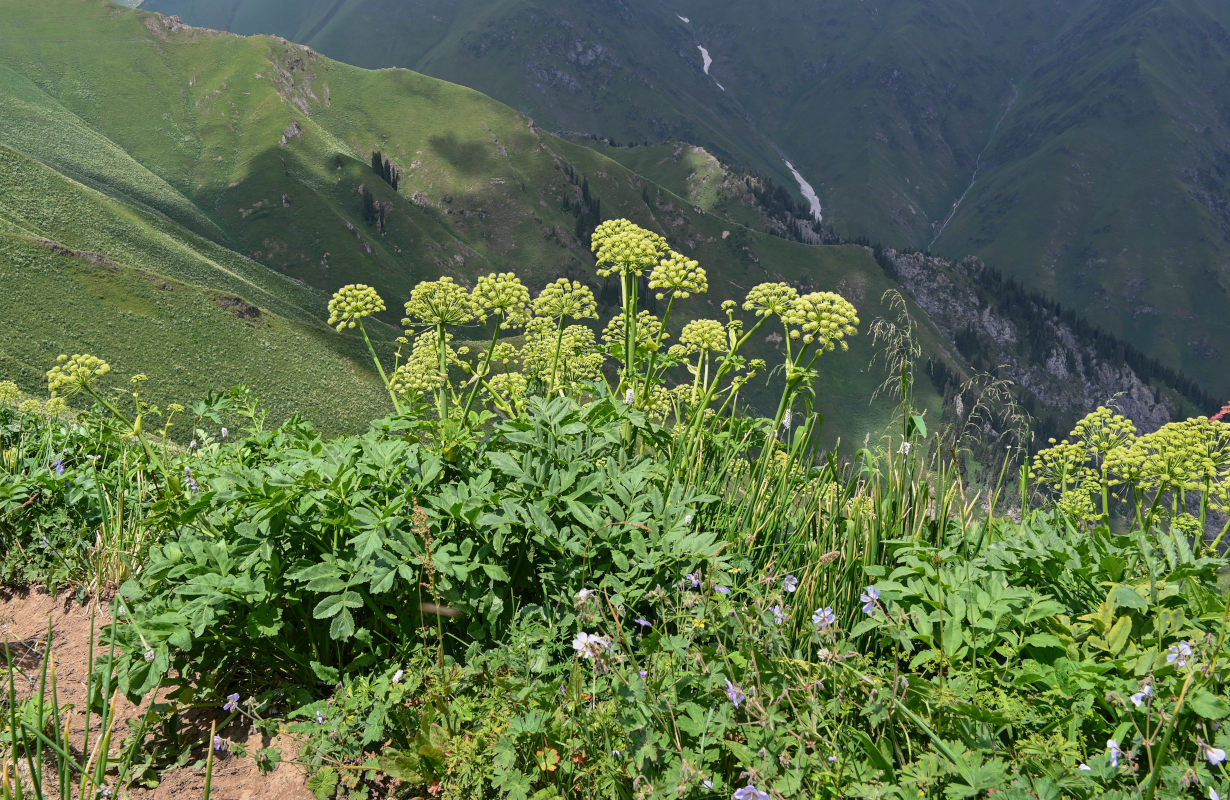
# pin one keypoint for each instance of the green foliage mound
(616, 582)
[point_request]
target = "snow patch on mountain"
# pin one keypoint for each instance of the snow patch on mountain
(809, 193)
(685, 19)
(704, 55)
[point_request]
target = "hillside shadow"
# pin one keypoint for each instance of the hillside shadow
(466, 157)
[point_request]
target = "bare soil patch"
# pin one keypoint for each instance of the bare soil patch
(25, 617)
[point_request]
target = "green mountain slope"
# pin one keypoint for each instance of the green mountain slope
(200, 199)
(1079, 146)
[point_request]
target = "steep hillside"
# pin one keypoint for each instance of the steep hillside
(1079, 146)
(232, 170)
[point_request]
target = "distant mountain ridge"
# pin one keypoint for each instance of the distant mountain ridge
(1081, 146)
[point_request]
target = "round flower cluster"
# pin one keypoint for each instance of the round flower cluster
(1179, 456)
(440, 302)
(73, 374)
(826, 318)
(57, 405)
(420, 373)
(510, 386)
(352, 303)
(624, 248)
(767, 299)
(565, 298)
(1103, 430)
(678, 274)
(8, 392)
(504, 295)
(703, 335)
(1061, 465)
(647, 329)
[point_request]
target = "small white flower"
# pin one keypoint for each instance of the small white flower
(687, 520)
(588, 645)
(629, 397)
(584, 595)
(786, 420)
(225, 433)
(904, 449)
(149, 655)
(192, 445)
(1214, 755)
(1083, 767)
(1138, 699)
(1213, 795)
(397, 676)
(1112, 749)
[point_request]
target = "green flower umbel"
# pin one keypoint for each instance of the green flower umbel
(704, 335)
(825, 318)
(565, 298)
(352, 303)
(503, 295)
(680, 275)
(440, 302)
(71, 375)
(624, 248)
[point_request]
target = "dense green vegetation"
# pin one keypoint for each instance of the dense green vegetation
(570, 566)
(1095, 131)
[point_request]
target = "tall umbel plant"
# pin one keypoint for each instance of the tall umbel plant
(695, 382)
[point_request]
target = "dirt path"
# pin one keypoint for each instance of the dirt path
(24, 620)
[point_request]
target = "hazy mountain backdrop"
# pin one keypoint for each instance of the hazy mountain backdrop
(1082, 146)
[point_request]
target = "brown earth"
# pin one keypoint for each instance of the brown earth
(24, 620)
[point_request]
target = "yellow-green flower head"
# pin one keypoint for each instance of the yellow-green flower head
(440, 302)
(57, 405)
(647, 329)
(504, 295)
(826, 318)
(510, 386)
(677, 352)
(729, 305)
(626, 249)
(579, 359)
(8, 392)
(71, 375)
(352, 303)
(1061, 466)
(1103, 430)
(420, 373)
(565, 298)
(503, 353)
(30, 406)
(767, 299)
(678, 274)
(704, 335)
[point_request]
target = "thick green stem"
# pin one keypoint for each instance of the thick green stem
(482, 372)
(559, 343)
(376, 360)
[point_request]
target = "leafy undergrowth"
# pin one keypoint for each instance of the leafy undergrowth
(572, 570)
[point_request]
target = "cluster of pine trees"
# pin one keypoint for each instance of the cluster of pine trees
(385, 169)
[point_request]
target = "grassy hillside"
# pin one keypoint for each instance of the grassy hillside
(230, 169)
(1079, 146)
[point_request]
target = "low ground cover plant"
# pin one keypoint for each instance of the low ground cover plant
(571, 563)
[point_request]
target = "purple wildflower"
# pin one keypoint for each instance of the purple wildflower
(693, 579)
(749, 792)
(644, 623)
(320, 718)
(870, 599)
(824, 618)
(721, 589)
(1178, 654)
(232, 702)
(735, 694)
(790, 583)
(59, 466)
(220, 744)
(779, 616)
